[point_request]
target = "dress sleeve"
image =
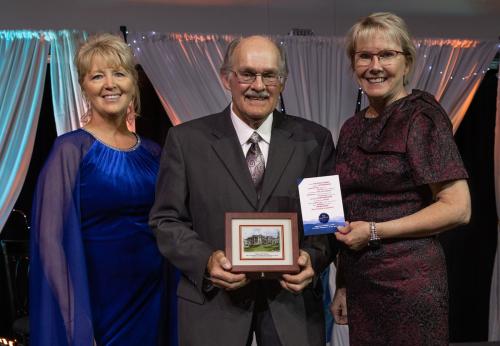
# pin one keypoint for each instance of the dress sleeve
(153, 148)
(432, 153)
(59, 301)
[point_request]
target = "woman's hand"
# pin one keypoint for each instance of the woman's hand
(355, 235)
(338, 307)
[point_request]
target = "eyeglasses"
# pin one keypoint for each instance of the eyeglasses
(268, 78)
(385, 57)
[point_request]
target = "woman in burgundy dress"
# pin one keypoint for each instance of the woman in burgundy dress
(403, 182)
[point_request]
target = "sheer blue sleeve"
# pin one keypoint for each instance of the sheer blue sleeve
(60, 311)
(152, 147)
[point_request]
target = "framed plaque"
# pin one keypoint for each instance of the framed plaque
(262, 245)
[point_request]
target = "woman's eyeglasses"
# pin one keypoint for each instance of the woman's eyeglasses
(385, 57)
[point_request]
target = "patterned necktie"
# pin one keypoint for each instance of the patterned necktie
(255, 161)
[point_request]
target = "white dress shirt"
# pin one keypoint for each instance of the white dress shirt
(244, 132)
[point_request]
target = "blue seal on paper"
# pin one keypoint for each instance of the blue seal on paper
(324, 218)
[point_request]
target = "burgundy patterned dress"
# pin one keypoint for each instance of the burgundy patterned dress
(398, 294)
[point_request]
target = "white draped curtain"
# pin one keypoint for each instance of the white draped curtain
(184, 70)
(67, 99)
(23, 62)
(320, 85)
(494, 326)
(452, 70)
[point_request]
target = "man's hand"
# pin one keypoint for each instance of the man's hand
(219, 267)
(297, 282)
(338, 307)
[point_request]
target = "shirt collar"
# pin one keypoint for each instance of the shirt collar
(244, 131)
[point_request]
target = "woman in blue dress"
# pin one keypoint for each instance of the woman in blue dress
(96, 272)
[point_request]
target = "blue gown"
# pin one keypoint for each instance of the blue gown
(95, 271)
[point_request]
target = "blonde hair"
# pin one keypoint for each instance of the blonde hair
(386, 23)
(115, 51)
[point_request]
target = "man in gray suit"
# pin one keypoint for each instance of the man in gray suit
(204, 174)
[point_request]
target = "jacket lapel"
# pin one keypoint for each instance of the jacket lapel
(228, 149)
(281, 149)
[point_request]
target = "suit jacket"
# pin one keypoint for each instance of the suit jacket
(203, 174)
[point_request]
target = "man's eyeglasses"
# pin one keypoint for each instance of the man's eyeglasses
(385, 57)
(268, 78)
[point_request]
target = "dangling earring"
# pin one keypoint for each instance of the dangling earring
(130, 116)
(131, 113)
(84, 119)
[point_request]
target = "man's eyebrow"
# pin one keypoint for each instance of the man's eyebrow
(251, 69)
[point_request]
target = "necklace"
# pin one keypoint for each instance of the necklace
(371, 113)
(115, 147)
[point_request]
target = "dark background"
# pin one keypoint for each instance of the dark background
(470, 250)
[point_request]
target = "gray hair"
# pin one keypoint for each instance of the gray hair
(227, 64)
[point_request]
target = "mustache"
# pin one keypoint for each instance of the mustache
(261, 94)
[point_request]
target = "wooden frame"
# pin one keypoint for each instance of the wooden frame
(263, 245)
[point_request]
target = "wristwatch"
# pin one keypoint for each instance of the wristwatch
(374, 242)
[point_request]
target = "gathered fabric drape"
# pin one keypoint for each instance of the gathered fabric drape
(321, 86)
(23, 64)
(184, 69)
(67, 99)
(23, 57)
(452, 70)
(494, 325)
